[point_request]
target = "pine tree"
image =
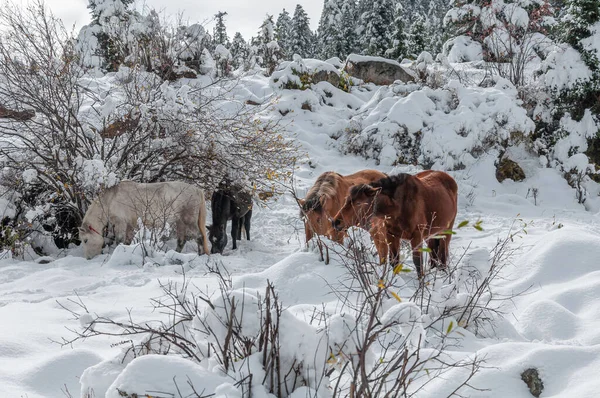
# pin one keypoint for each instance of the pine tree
(283, 33)
(576, 27)
(398, 38)
(436, 30)
(111, 47)
(220, 31)
(302, 37)
(239, 50)
(101, 15)
(348, 28)
(377, 22)
(268, 50)
(417, 37)
(329, 32)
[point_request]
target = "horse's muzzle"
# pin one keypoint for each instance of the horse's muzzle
(337, 224)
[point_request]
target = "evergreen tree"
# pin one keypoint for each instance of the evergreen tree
(267, 49)
(111, 16)
(377, 22)
(302, 37)
(436, 31)
(417, 37)
(329, 32)
(576, 27)
(349, 36)
(398, 38)
(283, 33)
(239, 50)
(107, 9)
(220, 31)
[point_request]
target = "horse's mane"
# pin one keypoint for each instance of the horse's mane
(358, 189)
(389, 184)
(325, 187)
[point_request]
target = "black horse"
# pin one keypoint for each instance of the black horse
(229, 203)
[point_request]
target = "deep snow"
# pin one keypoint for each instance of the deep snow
(554, 327)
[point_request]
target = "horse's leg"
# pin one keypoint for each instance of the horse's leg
(444, 251)
(240, 225)
(234, 230)
(247, 219)
(434, 246)
(120, 231)
(381, 245)
(417, 253)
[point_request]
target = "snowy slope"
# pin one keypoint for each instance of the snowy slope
(552, 327)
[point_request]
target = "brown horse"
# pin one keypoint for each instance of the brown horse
(326, 197)
(414, 208)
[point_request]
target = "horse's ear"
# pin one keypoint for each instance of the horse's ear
(370, 191)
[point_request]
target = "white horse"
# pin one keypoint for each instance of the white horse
(158, 205)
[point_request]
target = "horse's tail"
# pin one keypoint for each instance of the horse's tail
(202, 223)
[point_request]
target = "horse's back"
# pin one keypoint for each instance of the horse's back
(173, 201)
(438, 180)
(364, 177)
(441, 196)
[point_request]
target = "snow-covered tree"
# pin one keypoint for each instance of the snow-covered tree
(329, 33)
(511, 34)
(302, 42)
(377, 22)
(580, 27)
(417, 37)
(109, 25)
(350, 42)
(283, 33)
(349, 30)
(220, 31)
(398, 38)
(265, 46)
(435, 25)
(240, 50)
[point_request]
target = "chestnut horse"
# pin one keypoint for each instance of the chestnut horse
(414, 208)
(326, 197)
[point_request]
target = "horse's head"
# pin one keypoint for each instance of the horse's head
(357, 209)
(217, 237)
(315, 218)
(92, 241)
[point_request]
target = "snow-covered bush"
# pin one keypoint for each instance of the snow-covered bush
(448, 127)
(512, 34)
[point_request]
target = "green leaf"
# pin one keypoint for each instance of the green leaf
(450, 327)
(449, 232)
(425, 250)
(463, 224)
(477, 225)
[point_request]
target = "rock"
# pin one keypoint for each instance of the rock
(507, 168)
(531, 377)
(326, 76)
(380, 71)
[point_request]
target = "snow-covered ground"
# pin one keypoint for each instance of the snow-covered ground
(552, 324)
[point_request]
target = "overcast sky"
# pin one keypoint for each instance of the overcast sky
(244, 16)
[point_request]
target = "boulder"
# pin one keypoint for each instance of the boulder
(326, 76)
(507, 168)
(377, 70)
(531, 377)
